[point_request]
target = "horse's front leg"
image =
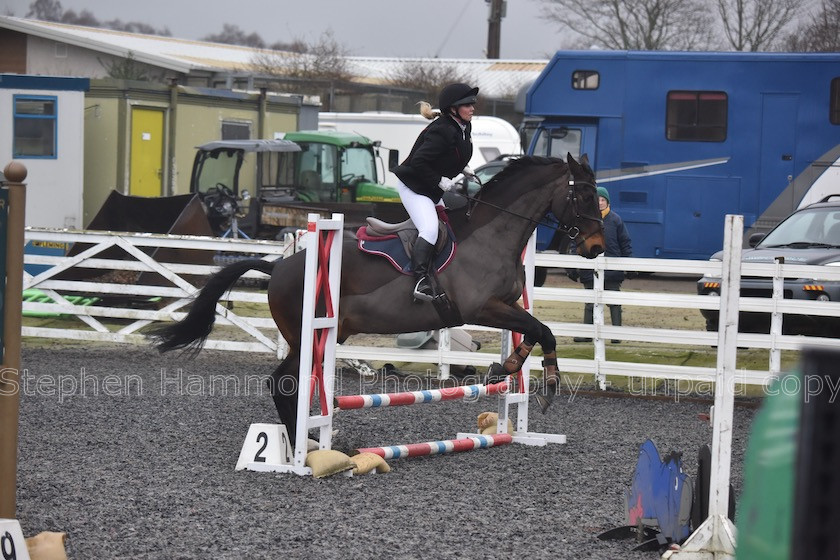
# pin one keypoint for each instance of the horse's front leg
(283, 386)
(515, 318)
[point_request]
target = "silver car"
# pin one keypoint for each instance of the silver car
(811, 236)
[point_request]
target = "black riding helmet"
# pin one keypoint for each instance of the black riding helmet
(456, 94)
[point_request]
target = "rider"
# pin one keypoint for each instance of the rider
(441, 151)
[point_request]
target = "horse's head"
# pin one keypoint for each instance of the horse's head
(577, 209)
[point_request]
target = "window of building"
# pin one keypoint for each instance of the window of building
(34, 126)
(233, 130)
(834, 104)
(696, 116)
(585, 79)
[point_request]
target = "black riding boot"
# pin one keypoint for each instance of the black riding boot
(421, 266)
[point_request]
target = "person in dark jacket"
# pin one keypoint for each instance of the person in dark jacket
(618, 244)
(441, 151)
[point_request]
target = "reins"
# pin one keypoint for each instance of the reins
(572, 231)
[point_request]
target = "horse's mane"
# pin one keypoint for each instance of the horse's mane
(459, 215)
(515, 167)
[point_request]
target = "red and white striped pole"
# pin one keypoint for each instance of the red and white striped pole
(439, 447)
(350, 402)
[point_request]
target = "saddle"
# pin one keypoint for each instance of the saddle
(395, 242)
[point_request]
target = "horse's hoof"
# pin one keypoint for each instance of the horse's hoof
(496, 374)
(545, 396)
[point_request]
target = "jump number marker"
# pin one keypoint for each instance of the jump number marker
(12, 544)
(259, 457)
(7, 544)
(265, 444)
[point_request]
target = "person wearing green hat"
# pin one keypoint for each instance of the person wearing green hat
(618, 244)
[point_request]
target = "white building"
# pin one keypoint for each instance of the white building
(42, 127)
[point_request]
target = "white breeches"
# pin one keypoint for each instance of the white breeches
(422, 212)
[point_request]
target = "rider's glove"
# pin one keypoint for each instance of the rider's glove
(446, 184)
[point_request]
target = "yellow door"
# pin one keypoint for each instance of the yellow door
(146, 170)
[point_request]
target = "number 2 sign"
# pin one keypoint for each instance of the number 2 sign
(265, 443)
(12, 545)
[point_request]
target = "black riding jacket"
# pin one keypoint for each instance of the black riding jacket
(441, 150)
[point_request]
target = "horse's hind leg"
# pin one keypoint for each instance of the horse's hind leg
(514, 318)
(283, 385)
(512, 364)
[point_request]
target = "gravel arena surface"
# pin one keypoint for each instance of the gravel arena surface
(132, 453)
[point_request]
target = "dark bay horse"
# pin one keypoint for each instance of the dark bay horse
(484, 281)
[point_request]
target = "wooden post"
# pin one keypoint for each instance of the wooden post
(494, 28)
(10, 373)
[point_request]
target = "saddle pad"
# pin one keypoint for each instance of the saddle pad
(392, 248)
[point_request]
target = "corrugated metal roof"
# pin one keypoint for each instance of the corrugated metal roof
(495, 78)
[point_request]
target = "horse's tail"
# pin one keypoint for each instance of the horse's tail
(192, 331)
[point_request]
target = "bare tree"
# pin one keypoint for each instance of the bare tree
(635, 24)
(125, 68)
(47, 10)
(429, 77)
(307, 66)
(756, 25)
(83, 18)
(51, 10)
(232, 35)
(325, 58)
(821, 33)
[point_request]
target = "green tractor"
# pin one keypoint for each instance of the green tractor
(264, 188)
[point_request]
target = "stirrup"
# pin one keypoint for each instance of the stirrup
(421, 295)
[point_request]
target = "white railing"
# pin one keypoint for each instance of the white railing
(182, 281)
(258, 333)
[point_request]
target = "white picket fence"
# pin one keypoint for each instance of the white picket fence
(258, 334)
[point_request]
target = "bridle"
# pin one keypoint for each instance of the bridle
(573, 232)
(572, 204)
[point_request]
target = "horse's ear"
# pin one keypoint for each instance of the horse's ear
(573, 164)
(584, 163)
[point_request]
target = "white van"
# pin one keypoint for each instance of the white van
(492, 137)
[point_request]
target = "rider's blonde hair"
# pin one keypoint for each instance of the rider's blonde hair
(427, 111)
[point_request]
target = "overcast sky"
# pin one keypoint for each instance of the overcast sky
(401, 28)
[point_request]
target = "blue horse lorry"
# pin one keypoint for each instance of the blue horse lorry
(681, 139)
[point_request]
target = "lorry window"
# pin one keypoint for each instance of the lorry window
(557, 142)
(585, 79)
(834, 104)
(357, 163)
(696, 116)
